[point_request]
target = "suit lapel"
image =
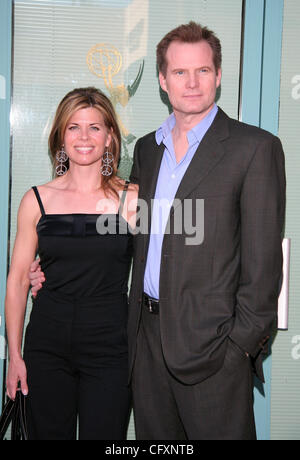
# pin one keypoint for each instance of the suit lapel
(148, 187)
(150, 180)
(207, 156)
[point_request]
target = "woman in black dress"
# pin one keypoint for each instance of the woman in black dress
(75, 351)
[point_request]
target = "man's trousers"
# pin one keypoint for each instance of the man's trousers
(219, 408)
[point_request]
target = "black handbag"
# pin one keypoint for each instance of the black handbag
(14, 413)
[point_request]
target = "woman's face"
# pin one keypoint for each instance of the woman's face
(86, 137)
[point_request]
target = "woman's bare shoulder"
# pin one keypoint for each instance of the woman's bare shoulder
(29, 203)
(29, 208)
(133, 192)
(131, 187)
(28, 199)
(55, 184)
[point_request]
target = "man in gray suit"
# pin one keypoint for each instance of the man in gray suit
(202, 306)
(201, 313)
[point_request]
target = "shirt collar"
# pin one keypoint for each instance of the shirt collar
(194, 135)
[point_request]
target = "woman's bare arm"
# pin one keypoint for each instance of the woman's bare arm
(17, 290)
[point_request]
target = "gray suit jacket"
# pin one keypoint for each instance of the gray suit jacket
(228, 285)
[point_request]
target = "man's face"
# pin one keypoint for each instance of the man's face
(191, 79)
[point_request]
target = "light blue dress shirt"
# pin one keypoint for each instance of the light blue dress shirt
(169, 178)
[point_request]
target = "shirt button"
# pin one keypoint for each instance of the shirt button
(173, 176)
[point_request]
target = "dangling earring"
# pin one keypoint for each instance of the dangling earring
(61, 158)
(107, 160)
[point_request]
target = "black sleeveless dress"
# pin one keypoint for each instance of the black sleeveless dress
(75, 347)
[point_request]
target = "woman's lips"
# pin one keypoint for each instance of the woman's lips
(84, 150)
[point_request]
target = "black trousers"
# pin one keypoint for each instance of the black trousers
(219, 408)
(77, 369)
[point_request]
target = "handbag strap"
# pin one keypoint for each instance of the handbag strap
(6, 418)
(23, 422)
(14, 413)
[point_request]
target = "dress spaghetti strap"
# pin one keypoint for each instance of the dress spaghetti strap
(123, 197)
(39, 200)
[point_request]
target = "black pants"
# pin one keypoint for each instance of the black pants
(219, 408)
(77, 369)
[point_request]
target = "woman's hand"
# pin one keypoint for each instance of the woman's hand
(16, 373)
(36, 277)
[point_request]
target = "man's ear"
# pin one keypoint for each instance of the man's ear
(219, 77)
(162, 82)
